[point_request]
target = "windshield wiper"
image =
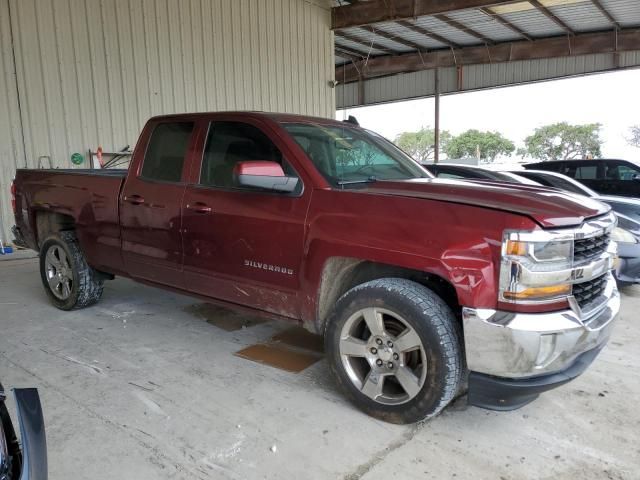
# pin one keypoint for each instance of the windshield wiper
(342, 183)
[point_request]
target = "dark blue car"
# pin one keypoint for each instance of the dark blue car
(29, 460)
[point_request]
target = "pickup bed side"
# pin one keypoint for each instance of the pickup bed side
(46, 200)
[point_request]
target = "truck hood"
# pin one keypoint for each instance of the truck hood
(548, 207)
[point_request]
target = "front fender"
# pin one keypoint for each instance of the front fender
(459, 243)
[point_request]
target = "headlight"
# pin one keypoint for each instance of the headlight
(621, 235)
(535, 268)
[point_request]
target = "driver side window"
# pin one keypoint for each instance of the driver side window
(229, 143)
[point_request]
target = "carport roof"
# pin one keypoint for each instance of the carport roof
(378, 38)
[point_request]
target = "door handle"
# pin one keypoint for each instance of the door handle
(134, 199)
(199, 207)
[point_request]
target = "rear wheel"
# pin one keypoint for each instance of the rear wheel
(69, 281)
(395, 349)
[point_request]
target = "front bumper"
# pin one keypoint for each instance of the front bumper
(496, 393)
(537, 350)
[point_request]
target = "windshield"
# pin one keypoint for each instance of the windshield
(345, 155)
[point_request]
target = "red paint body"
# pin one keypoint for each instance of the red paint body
(227, 245)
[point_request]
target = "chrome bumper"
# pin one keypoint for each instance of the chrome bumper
(521, 345)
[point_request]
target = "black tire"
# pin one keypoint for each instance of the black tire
(87, 283)
(437, 328)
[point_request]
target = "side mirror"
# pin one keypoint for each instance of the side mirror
(265, 175)
(636, 177)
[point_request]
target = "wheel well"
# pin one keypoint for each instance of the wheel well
(342, 274)
(48, 223)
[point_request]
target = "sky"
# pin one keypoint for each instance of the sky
(612, 99)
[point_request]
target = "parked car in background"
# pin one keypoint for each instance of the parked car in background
(627, 234)
(627, 206)
(29, 460)
(605, 176)
(472, 172)
(627, 210)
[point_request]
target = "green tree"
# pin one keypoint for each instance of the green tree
(420, 145)
(635, 136)
(485, 145)
(562, 141)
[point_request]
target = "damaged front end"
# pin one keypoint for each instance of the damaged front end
(29, 460)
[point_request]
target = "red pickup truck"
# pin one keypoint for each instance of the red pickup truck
(423, 288)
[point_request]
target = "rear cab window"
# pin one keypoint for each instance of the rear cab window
(166, 152)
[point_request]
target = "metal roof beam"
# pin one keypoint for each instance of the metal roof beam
(375, 11)
(506, 23)
(555, 47)
(463, 28)
(352, 51)
(363, 42)
(549, 14)
(606, 13)
(348, 53)
(427, 33)
(394, 38)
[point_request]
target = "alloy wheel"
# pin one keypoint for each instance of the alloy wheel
(59, 272)
(383, 356)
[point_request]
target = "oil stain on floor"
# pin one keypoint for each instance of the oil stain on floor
(292, 350)
(227, 320)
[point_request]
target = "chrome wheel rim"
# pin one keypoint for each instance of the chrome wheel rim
(383, 356)
(58, 272)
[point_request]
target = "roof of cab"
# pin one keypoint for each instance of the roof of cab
(274, 116)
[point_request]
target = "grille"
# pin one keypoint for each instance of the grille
(586, 292)
(590, 248)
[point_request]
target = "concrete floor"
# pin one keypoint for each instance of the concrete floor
(138, 388)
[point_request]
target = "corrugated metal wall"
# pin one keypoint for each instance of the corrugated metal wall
(90, 72)
(11, 145)
(474, 77)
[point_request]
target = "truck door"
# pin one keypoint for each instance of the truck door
(151, 201)
(243, 245)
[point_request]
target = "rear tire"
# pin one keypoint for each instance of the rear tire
(395, 349)
(69, 281)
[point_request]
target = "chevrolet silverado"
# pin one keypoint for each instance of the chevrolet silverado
(423, 288)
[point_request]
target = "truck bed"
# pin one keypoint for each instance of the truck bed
(89, 196)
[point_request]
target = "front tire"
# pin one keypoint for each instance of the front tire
(395, 349)
(70, 283)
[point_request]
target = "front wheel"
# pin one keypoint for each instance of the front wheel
(69, 281)
(395, 349)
